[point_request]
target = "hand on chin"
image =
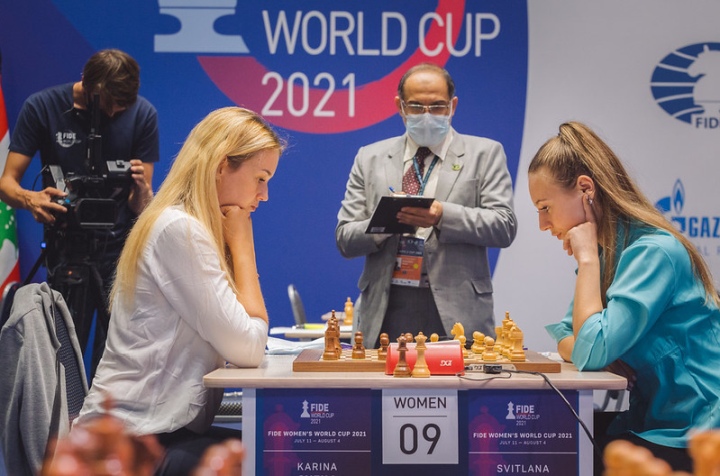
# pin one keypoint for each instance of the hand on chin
(230, 208)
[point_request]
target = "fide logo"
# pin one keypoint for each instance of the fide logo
(66, 139)
(316, 411)
(520, 412)
(510, 411)
(305, 413)
(686, 85)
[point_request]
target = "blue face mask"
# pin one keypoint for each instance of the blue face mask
(427, 129)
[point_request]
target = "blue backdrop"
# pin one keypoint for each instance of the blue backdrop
(323, 72)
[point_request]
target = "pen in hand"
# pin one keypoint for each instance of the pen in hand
(398, 194)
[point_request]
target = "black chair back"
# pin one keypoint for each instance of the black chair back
(298, 309)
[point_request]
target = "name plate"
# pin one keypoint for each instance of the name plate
(420, 426)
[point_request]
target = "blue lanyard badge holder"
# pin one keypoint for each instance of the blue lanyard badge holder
(409, 257)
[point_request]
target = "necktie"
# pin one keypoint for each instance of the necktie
(411, 183)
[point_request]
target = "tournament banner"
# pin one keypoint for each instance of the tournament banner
(512, 432)
(644, 75)
(324, 73)
(320, 431)
(9, 262)
(425, 431)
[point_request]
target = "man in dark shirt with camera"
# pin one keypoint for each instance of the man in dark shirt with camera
(80, 257)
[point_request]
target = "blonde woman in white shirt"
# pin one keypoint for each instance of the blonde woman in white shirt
(187, 295)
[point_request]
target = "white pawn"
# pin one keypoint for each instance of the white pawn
(489, 355)
(420, 369)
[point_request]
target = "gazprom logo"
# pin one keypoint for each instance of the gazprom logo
(686, 84)
(689, 225)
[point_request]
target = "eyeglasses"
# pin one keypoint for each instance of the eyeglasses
(434, 109)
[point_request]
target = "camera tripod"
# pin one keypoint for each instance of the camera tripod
(75, 270)
(82, 287)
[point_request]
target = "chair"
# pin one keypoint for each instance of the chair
(298, 309)
(7, 301)
(42, 379)
(617, 395)
(230, 411)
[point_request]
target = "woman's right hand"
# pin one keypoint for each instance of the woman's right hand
(237, 227)
(238, 233)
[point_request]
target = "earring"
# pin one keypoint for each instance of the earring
(590, 201)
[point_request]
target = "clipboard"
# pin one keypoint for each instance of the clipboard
(384, 219)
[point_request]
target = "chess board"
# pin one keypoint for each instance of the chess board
(534, 362)
(310, 360)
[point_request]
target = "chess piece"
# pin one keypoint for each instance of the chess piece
(384, 343)
(336, 329)
(458, 330)
(330, 352)
(434, 337)
(402, 369)
(517, 353)
(507, 317)
(409, 337)
(221, 459)
(358, 351)
(349, 310)
(102, 445)
(478, 345)
(616, 456)
(420, 370)
(499, 339)
(624, 458)
(704, 448)
(461, 339)
(489, 355)
(507, 341)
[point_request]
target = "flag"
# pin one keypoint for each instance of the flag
(9, 263)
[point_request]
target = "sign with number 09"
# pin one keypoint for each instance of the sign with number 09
(420, 426)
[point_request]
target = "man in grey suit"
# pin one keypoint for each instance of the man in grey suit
(472, 210)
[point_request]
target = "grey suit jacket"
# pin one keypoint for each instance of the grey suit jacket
(475, 189)
(33, 389)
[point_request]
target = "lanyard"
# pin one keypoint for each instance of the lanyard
(423, 181)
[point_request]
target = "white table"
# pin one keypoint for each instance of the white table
(311, 331)
(276, 373)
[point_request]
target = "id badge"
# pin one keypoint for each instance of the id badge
(408, 262)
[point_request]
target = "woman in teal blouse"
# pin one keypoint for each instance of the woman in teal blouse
(644, 300)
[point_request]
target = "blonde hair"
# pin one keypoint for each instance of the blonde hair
(577, 150)
(233, 134)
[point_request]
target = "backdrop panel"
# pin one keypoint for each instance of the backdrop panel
(325, 73)
(618, 66)
(644, 74)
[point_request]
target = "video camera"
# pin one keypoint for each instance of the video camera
(92, 200)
